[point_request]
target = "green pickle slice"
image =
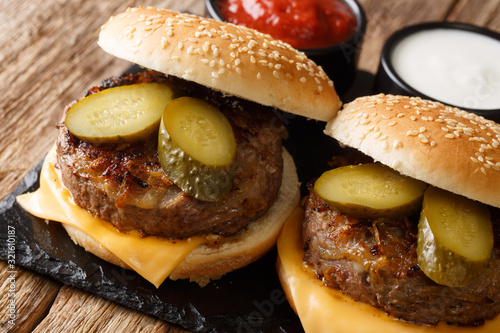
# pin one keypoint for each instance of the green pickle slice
(120, 114)
(455, 238)
(370, 190)
(197, 148)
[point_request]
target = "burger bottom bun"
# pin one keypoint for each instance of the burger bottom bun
(209, 262)
(323, 309)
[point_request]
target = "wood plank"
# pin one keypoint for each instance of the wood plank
(386, 17)
(485, 15)
(25, 298)
(76, 311)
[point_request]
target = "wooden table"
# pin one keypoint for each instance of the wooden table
(49, 56)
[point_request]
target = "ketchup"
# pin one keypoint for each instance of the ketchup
(304, 24)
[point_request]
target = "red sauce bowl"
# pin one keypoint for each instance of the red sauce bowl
(339, 60)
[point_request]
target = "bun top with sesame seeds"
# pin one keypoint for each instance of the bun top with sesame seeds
(233, 59)
(446, 147)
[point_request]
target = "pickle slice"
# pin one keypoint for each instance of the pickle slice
(197, 148)
(370, 190)
(120, 114)
(455, 238)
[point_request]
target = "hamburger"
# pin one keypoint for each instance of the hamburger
(429, 262)
(178, 170)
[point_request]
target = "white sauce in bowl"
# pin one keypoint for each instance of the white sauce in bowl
(455, 67)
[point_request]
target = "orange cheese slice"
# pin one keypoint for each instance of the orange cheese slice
(323, 309)
(152, 257)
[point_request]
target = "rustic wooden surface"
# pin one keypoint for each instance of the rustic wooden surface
(49, 55)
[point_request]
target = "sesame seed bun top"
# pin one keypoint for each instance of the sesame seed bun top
(233, 59)
(446, 147)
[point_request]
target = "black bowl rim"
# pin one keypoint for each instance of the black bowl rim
(396, 37)
(355, 38)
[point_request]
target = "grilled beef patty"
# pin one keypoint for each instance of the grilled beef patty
(125, 184)
(375, 262)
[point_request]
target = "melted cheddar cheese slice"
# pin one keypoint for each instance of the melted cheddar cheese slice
(323, 309)
(152, 257)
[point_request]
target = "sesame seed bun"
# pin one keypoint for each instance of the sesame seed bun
(233, 59)
(449, 148)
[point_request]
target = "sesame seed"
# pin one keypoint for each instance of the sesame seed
(238, 70)
(276, 75)
(412, 133)
(259, 76)
(205, 61)
(252, 59)
(180, 45)
(215, 75)
(449, 136)
(396, 163)
(164, 42)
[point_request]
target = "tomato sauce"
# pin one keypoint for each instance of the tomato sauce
(304, 24)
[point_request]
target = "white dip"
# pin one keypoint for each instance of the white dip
(455, 67)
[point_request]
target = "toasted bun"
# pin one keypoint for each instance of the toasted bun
(209, 262)
(440, 145)
(233, 59)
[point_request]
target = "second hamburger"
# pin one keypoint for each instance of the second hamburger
(404, 234)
